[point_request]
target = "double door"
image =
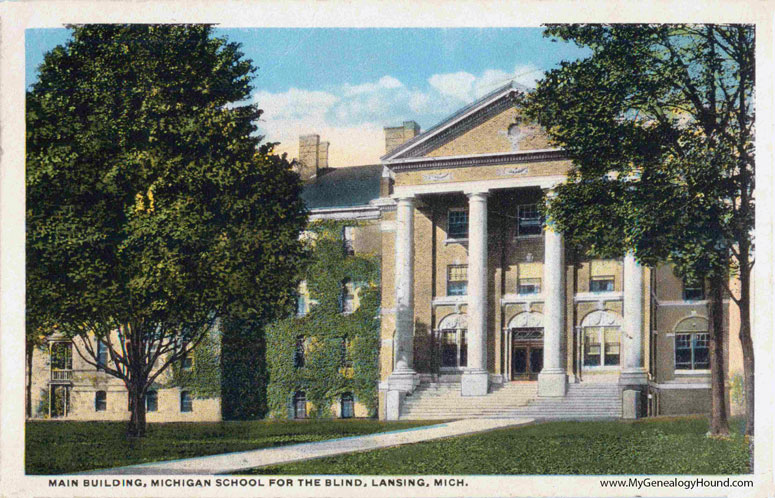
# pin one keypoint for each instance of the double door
(527, 354)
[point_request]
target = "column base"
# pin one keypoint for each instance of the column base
(403, 380)
(393, 402)
(633, 377)
(474, 383)
(552, 384)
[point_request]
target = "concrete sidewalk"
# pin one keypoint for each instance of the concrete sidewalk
(230, 463)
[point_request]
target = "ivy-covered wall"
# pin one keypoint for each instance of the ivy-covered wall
(322, 377)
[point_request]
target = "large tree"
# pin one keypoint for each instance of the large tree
(659, 123)
(153, 210)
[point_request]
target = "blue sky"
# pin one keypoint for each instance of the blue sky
(347, 84)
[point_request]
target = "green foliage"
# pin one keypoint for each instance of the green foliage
(659, 124)
(666, 446)
(203, 378)
(243, 370)
(59, 448)
(152, 208)
(323, 378)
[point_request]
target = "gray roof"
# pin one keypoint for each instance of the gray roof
(343, 187)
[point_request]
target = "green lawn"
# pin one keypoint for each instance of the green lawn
(649, 446)
(66, 447)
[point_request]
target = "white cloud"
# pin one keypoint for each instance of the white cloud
(352, 117)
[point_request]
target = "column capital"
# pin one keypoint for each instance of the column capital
(477, 194)
(406, 199)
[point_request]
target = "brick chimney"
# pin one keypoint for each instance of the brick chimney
(313, 156)
(397, 135)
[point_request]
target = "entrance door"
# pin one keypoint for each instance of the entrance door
(527, 353)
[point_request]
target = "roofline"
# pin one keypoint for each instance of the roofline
(500, 158)
(459, 115)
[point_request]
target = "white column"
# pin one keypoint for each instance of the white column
(403, 377)
(633, 371)
(553, 379)
(475, 379)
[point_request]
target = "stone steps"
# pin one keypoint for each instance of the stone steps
(582, 401)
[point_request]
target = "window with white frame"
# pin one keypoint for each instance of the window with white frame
(151, 401)
(186, 402)
(601, 283)
(100, 401)
(693, 290)
(457, 280)
(601, 346)
(300, 404)
(102, 355)
(348, 237)
(298, 352)
(691, 351)
(457, 224)
(529, 286)
(347, 296)
(529, 220)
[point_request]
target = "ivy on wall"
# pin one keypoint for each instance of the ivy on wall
(323, 377)
(203, 378)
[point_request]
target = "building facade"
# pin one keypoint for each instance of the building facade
(483, 310)
(479, 294)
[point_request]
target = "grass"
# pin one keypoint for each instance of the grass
(649, 446)
(67, 447)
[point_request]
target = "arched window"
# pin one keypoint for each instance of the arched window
(601, 336)
(691, 344)
(300, 404)
(151, 401)
(100, 401)
(453, 346)
(186, 402)
(348, 405)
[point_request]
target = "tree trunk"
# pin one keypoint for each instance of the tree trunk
(719, 426)
(136, 426)
(29, 350)
(747, 346)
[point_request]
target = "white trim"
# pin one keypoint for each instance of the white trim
(473, 110)
(514, 298)
(543, 182)
(683, 385)
(449, 300)
(703, 302)
(698, 373)
(469, 156)
(583, 297)
(344, 213)
(456, 241)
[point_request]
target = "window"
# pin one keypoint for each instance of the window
(61, 361)
(457, 224)
(348, 405)
(102, 355)
(151, 401)
(601, 284)
(186, 402)
(457, 280)
(347, 297)
(693, 290)
(345, 359)
(347, 240)
(454, 348)
(298, 353)
(529, 286)
(301, 305)
(529, 220)
(187, 361)
(601, 346)
(691, 351)
(299, 405)
(100, 401)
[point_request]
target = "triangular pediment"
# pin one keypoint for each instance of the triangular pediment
(491, 125)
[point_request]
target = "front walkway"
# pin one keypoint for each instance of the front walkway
(230, 463)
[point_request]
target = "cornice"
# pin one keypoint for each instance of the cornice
(479, 160)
